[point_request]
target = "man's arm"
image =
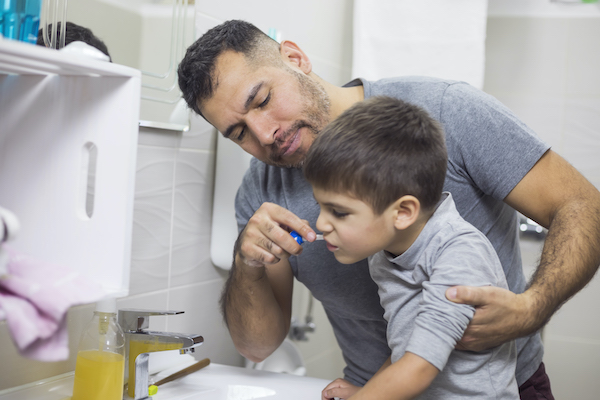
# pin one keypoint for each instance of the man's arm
(558, 197)
(256, 305)
(257, 298)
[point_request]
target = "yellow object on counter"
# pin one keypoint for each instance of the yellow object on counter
(98, 375)
(152, 390)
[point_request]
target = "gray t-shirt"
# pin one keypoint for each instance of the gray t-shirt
(489, 152)
(449, 251)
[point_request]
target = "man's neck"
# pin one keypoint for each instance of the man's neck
(342, 98)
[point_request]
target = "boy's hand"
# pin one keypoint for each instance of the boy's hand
(339, 388)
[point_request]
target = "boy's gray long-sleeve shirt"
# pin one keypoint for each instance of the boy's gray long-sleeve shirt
(448, 252)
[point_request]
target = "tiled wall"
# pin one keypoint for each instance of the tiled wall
(546, 69)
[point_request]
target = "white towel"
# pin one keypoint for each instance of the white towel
(439, 38)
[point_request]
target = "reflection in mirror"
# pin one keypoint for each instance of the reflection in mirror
(149, 35)
(72, 33)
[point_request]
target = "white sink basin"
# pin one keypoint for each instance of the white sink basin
(214, 382)
(221, 382)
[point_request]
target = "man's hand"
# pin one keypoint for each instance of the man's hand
(339, 388)
(266, 238)
(500, 316)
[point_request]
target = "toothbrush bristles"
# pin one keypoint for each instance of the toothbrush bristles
(319, 236)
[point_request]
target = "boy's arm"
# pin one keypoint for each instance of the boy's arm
(343, 389)
(405, 379)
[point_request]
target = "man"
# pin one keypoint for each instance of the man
(266, 98)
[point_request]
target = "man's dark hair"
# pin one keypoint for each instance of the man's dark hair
(74, 33)
(378, 151)
(196, 70)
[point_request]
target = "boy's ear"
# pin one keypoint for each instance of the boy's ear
(406, 211)
(291, 53)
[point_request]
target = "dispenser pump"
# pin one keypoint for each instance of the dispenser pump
(101, 356)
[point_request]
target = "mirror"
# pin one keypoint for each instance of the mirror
(149, 35)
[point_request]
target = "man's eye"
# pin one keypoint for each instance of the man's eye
(240, 135)
(266, 101)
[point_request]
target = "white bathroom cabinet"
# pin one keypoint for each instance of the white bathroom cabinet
(68, 142)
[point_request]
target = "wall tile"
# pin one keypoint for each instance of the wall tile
(190, 256)
(201, 136)
(331, 72)
(572, 367)
(582, 134)
(583, 57)
(326, 33)
(202, 316)
(526, 55)
(159, 137)
(321, 343)
(574, 320)
(152, 219)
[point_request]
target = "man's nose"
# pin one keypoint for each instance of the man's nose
(264, 128)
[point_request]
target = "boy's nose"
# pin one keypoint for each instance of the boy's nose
(322, 224)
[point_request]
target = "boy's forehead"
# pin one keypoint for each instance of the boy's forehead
(333, 197)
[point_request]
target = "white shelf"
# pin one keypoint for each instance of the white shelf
(28, 59)
(54, 107)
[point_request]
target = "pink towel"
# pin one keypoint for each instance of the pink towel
(34, 299)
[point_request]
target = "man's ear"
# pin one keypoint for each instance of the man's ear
(406, 211)
(292, 54)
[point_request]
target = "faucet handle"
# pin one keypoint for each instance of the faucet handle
(135, 319)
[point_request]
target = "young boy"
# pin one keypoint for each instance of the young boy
(377, 173)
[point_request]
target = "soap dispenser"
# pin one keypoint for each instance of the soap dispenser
(101, 356)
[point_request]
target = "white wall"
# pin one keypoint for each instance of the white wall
(542, 61)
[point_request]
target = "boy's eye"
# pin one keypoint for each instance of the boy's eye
(338, 214)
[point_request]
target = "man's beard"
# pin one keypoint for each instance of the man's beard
(316, 112)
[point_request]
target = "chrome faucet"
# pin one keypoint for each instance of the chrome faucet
(135, 323)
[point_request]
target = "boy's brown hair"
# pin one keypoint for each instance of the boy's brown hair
(378, 151)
